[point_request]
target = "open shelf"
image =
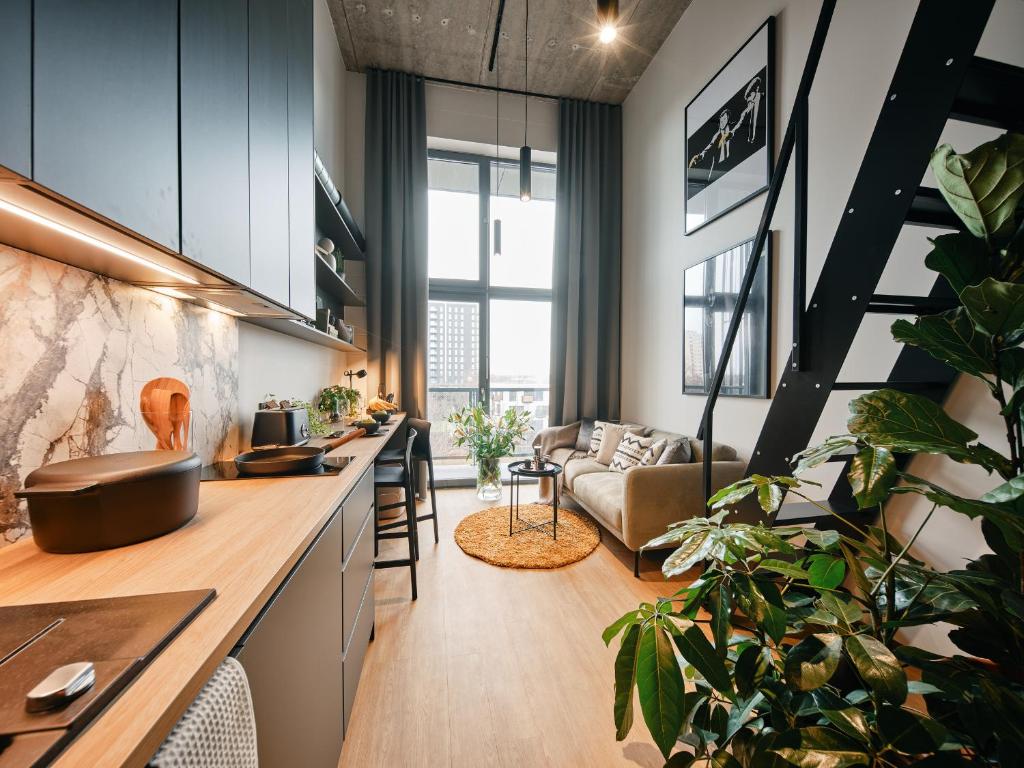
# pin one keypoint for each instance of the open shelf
(331, 222)
(334, 285)
(305, 332)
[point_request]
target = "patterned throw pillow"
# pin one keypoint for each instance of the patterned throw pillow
(676, 452)
(595, 437)
(630, 452)
(654, 453)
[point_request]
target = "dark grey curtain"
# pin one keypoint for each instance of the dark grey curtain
(396, 237)
(588, 255)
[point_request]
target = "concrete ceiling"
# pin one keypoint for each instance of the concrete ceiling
(451, 39)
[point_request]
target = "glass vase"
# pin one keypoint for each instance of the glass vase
(488, 479)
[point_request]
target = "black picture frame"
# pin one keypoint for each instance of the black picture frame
(750, 367)
(704, 183)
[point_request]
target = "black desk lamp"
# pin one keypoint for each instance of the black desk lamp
(360, 374)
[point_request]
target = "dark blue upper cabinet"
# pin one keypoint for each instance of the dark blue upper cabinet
(215, 135)
(301, 216)
(106, 109)
(268, 148)
(16, 86)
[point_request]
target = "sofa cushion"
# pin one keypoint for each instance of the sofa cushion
(654, 452)
(601, 493)
(578, 467)
(676, 452)
(632, 449)
(719, 451)
(583, 436)
(612, 438)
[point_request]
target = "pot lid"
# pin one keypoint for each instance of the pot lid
(114, 468)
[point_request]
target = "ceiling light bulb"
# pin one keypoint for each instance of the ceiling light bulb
(608, 33)
(525, 197)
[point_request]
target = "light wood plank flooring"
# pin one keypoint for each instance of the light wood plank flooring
(493, 666)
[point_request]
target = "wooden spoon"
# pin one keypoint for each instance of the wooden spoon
(164, 403)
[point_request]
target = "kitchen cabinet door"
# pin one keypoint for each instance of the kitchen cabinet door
(302, 279)
(268, 148)
(105, 109)
(293, 658)
(16, 86)
(215, 135)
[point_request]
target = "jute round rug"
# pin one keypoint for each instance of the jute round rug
(485, 535)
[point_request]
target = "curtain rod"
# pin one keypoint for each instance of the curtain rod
(480, 86)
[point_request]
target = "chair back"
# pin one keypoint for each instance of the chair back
(407, 462)
(421, 449)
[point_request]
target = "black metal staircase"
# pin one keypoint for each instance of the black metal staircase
(938, 77)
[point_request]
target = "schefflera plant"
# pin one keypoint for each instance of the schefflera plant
(787, 649)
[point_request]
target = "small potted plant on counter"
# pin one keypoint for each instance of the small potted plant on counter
(339, 401)
(488, 440)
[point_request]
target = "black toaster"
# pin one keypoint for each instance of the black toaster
(279, 427)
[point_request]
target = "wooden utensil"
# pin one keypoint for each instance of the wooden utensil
(165, 407)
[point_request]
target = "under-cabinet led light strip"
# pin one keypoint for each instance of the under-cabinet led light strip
(90, 240)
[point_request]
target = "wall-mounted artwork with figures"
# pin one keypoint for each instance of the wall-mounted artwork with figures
(729, 132)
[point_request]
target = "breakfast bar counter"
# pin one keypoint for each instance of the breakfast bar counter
(243, 542)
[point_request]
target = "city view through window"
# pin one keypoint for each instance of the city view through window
(489, 315)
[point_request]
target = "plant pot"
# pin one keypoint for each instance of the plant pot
(488, 479)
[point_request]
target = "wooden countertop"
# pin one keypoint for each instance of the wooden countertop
(244, 540)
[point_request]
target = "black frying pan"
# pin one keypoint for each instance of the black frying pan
(279, 461)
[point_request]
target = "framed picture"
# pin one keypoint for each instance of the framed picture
(730, 132)
(710, 290)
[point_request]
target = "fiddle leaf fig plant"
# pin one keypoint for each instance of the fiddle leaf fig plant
(787, 649)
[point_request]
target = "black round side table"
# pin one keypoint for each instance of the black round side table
(517, 471)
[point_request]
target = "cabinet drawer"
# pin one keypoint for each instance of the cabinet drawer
(353, 667)
(355, 508)
(356, 574)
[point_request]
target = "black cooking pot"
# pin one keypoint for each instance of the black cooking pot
(279, 461)
(102, 502)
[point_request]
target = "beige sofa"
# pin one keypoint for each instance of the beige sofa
(640, 503)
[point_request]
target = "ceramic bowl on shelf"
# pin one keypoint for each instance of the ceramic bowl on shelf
(381, 417)
(370, 425)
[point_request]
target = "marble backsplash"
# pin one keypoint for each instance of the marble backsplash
(75, 351)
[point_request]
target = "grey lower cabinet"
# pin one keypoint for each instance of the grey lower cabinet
(303, 654)
(105, 109)
(215, 135)
(16, 87)
(268, 149)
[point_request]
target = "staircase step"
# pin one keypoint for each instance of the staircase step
(930, 209)
(991, 95)
(902, 386)
(801, 512)
(892, 304)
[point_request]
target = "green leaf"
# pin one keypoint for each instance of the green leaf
(826, 571)
(983, 186)
(878, 667)
(768, 615)
(660, 683)
(846, 610)
(872, 474)
(680, 760)
(732, 493)
(951, 337)
(997, 308)
(905, 422)
(812, 662)
(614, 628)
(739, 715)
(822, 539)
(1006, 493)
(961, 258)
(910, 732)
(700, 655)
(625, 680)
(822, 747)
(769, 497)
(819, 454)
(789, 570)
(721, 611)
(693, 551)
(752, 665)
(850, 721)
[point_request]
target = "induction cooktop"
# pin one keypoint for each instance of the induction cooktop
(226, 470)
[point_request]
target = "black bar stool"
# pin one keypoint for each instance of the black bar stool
(398, 477)
(420, 452)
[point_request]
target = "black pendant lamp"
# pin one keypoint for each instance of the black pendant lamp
(497, 141)
(607, 20)
(525, 167)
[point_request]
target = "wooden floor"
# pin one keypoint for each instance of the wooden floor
(494, 666)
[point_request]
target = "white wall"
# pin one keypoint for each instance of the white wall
(861, 53)
(329, 95)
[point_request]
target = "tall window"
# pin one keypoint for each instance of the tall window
(489, 324)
